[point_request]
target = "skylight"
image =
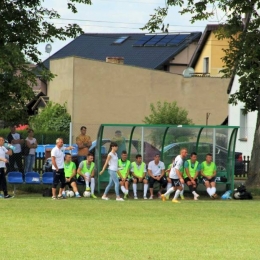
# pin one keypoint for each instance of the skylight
(120, 40)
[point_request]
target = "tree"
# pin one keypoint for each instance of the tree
(168, 113)
(241, 58)
(54, 117)
(23, 25)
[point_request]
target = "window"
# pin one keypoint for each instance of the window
(243, 124)
(120, 40)
(206, 65)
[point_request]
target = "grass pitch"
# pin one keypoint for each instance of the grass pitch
(33, 227)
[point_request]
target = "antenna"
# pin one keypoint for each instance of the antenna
(48, 48)
(187, 73)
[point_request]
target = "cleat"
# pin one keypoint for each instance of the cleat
(8, 197)
(61, 197)
(163, 197)
(175, 201)
(125, 196)
(182, 197)
(145, 198)
(53, 198)
(215, 196)
(78, 196)
(135, 197)
(87, 189)
(93, 196)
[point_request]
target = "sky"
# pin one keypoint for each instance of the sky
(119, 16)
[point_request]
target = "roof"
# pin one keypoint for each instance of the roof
(209, 28)
(98, 46)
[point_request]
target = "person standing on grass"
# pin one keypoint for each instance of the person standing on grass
(3, 161)
(123, 173)
(156, 174)
(176, 176)
(31, 143)
(191, 173)
(112, 161)
(208, 172)
(138, 170)
(86, 174)
(70, 173)
(84, 142)
(57, 159)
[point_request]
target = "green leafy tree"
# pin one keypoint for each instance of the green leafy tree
(241, 58)
(168, 113)
(23, 25)
(54, 117)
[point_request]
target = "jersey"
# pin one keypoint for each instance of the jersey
(177, 164)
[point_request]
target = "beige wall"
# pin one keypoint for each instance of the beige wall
(111, 93)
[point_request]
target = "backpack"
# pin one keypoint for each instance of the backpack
(240, 193)
(47, 192)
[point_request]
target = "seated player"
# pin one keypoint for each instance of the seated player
(138, 170)
(123, 173)
(190, 174)
(86, 173)
(70, 173)
(208, 172)
(156, 174)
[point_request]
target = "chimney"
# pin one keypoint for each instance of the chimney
(115, 60)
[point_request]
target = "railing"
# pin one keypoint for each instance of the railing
(246, 163)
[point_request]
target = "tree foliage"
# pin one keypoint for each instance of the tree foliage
(167, 113)
(241, 28)
(54, 117)
(23, 25)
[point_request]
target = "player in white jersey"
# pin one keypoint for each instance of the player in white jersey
(176, 176)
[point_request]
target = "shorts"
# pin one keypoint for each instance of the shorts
(176, 183)
(187, 179)
(71, 180)
(162, 181)
(137, 179)
(127, 179)
(59, 177)
(213, 179)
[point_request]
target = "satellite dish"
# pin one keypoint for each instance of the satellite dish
(187, 73)
(48, 48)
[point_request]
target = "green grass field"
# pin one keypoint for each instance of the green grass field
(33, 227)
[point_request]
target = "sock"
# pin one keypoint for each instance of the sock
(135, 189)
(209, 191)
(63, 193)
(123, 189)
(191, 189)
(213, 190)
(145, 189)
(92, 184)
(77, 193)
(169, 185)
(176, 195)
(168, 192)
(87, 180)
(126, 191)
(195, 193)
(182, 191)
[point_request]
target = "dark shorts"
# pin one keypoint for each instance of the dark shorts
(137, 179)
(187, 179)
(127, 179)
(80, 179)
(71, 180)
(213, 179)
(59, 177)
(176, 183)
(162, 181)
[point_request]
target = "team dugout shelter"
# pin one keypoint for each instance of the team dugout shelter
(168, 140)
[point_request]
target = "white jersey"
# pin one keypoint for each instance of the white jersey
(3, 151)
(156, 169)
(58, 153)
(177, 164)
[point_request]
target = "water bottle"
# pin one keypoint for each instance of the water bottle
(9, 146)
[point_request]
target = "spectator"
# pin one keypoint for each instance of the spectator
(120, 141)
(112, 161)
(3, 161)
(17, 141)
(156, 174)
(86, 174)
(138, 170)
(31, 143)
(84, 142)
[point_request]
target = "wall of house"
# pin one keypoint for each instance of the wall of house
(99, 92)
(180, 61)
(244, 144)
(212, 49)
